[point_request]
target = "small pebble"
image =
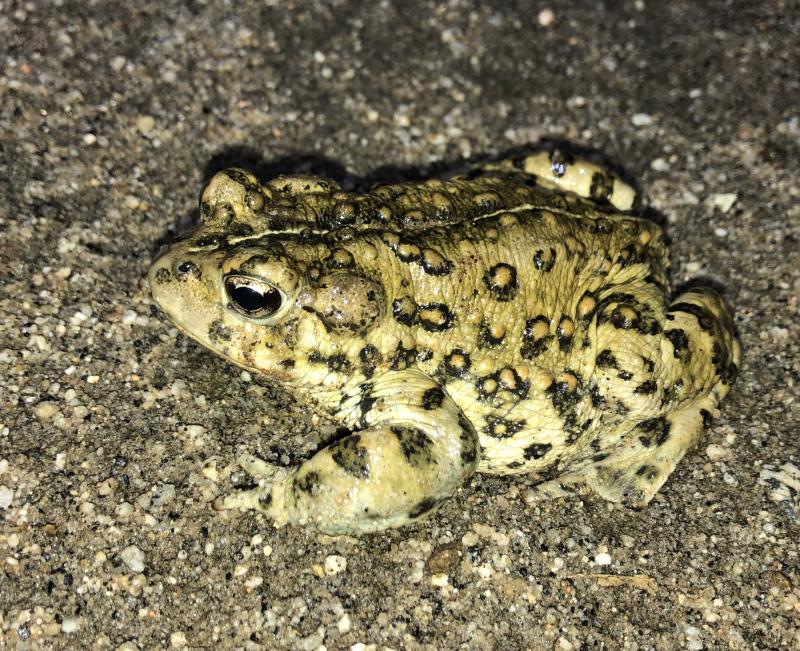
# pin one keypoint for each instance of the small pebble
(659, 165)
(45, 410)
(335, 564)
(602, 559)
(641, 119)
(546, 17)
(133, 557)
(70, 625)
(344, 624)
(145, 123)
(717, 452)
(6, 497)
(724, 201)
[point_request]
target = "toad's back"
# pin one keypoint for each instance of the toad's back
(507, 311)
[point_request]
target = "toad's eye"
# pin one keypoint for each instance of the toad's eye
(253, 298)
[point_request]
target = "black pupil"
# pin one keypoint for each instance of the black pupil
(252, 300)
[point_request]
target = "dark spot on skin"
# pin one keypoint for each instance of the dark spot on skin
(306, 483)
(406, 251)
(533, 344)
(562, 395)
(656, 431)
(370, 357)
(502, 428)
(341, 259)
(646, 388)
(163, 276)
(469, 441)
(536, 450)
(345, 213)
(416, 445)
(403, 358)
(625, 375)
(602, 187)
(708, 419)
(597, 458)
(628, 255)
(239, 229)
(564, 332)
(485, 338)
(435, 317)
(425, 506)
(265, 499)
(432, 398)
(365, 406)
(680, 344)
(350, 457)
(719, 358)
(606, 359)
(338, 363)
(514, 465)
(623, 318)
(705, 319)
(404, 310)
(544, 260)
(287, 363)
(501, 280)
(457, 363)
(217, 331)
(598, 400)
(434, 264)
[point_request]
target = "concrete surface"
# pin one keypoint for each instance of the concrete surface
(116, 433)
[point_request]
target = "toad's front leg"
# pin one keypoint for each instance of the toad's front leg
(414, 448)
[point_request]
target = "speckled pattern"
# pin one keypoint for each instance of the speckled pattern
(117, 434)
(481, 323)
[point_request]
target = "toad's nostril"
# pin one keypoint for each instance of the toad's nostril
(183, 269)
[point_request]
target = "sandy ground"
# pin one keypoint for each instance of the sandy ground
(116, 433)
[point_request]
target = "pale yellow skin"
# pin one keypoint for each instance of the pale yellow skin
(497, 322)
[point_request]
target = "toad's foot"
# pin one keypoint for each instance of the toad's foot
(414, 449)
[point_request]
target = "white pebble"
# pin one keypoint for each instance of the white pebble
(344, 624)
(602, 559)
(335, 564)
(659, 165)
(546, 17)
(70, 625)
(177, 640)
(6, 497)
(720, 232)
(641, 119)
(133, 557)
(439, 580)
(145, 123)
(725, 201)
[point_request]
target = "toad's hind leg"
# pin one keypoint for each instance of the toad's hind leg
(413, 450)
(560, 170)
(700, 355)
